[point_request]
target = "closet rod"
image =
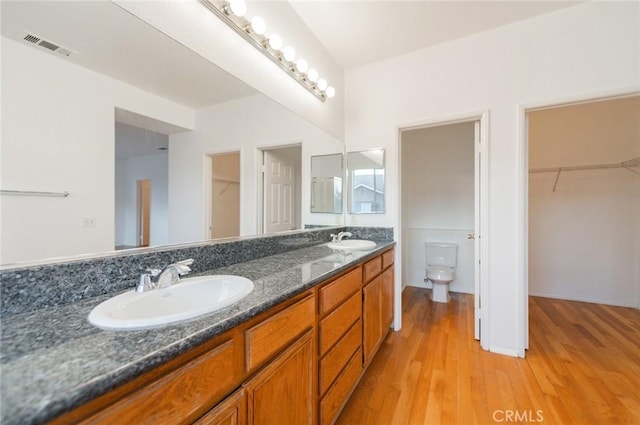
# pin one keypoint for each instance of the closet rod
(635, 162)
(34, 193)
(216, 179)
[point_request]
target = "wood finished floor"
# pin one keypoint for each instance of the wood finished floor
(583, 367)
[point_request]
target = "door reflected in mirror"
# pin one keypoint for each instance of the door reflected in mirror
(366, 181)
(326, 184)
(281, 189)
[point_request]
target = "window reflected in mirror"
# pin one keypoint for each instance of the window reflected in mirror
(366, 181)
(326, 184)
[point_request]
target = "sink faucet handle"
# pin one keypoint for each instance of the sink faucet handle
(334, 238)
(153, 272)
(145, 283)
(183, 266)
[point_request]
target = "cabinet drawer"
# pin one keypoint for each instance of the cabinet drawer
(183, 395)
(337, 396)
(387, 259)
(336, 292)
(339, 321)
(372, 268)
(339, 355)
(273, 334)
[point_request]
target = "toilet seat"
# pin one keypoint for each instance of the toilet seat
(440, 273)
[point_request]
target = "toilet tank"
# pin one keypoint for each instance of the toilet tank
(442, 254)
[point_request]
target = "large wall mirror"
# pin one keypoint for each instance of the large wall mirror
(366, 181)
(153, 144)
(326, 183)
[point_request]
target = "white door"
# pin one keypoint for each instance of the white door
(477, 236)
(279, 184)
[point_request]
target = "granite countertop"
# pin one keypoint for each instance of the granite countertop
(54, 360)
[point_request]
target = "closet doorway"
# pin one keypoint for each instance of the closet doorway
(584, 201)
(225, 195)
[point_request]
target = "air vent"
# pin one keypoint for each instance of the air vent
(34, 39)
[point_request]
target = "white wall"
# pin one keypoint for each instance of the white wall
(58, 135)
(128, 172)
(578, 51)
(584, 238)
(247, 124)
(191, 24)
(438, 199)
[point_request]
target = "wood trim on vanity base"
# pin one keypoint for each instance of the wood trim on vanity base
(108, 399)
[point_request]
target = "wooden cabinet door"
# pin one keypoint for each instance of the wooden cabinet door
(282, 392)
(372, 323)
(231, 411)
(386, 301)
(182, 395)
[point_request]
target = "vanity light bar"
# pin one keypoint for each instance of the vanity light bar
(233, 12)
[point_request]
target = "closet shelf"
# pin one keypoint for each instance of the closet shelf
(635, 162)
(216, 179)
(628, 165)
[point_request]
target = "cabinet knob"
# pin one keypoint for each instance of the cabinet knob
(470, 236)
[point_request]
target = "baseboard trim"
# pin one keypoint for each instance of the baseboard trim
(582, 300)
(430, 286)
(504, 351)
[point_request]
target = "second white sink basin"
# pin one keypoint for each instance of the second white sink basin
(188, 299)
(352, 245)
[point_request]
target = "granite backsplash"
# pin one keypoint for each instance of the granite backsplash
(32, 288)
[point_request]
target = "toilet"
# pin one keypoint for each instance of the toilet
(442, 259)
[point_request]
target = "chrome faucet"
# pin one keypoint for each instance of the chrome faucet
(339, 236)
(169, 275)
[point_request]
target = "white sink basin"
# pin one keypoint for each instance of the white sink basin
(190, 298)
(352, 245)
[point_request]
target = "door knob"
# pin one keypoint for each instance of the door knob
(470, 236)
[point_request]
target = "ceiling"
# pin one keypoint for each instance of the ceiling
(105, 38)
(360, 32)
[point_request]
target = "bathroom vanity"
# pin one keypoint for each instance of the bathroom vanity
(290, 352)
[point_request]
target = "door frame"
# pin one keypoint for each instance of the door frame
(260, 179)
(481, 291)
(522, 235)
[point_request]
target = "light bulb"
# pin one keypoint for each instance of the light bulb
(288, 53)
(312, 75)
(275, 42)
(238, 7)
(322, 84)
(302, 66)
(330, 92)
(258, 25)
